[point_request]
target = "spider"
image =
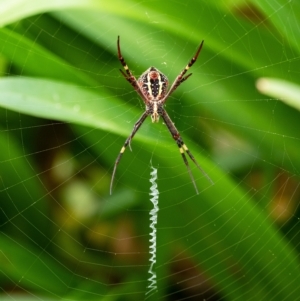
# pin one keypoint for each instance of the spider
(152, 86)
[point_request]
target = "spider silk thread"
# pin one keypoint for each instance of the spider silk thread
(153, 219)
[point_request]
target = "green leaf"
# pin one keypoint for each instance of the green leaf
(39, 61)
(33, 268)
(58, 101)
(14, 10)
(226, 232)
(284, 16)
(287, 92)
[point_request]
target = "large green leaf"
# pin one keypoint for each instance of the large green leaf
(73, 104)
(31, 268)
(205, 91)
(287, 92)
(15, 10)
(226, 231)
(39, 61)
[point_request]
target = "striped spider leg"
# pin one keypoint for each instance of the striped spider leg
(152, 86)
(181, 78)
(128, 75)
(183, 148)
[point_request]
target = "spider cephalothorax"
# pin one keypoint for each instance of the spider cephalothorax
(152, 86)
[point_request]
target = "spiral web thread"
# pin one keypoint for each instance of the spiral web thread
(153, 219)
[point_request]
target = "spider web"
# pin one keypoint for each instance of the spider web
(65, 114)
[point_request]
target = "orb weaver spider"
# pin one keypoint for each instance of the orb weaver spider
(152, 86)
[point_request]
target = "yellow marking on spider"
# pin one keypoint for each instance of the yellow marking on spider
(181, 150)
(126, 67)
(185, 147)
(122, 150)
(160, 83)
(187, 67)
(149, 86)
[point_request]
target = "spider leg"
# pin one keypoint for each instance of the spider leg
(181, 78)
(128, 75)
(122, 60)
(127, 142)
(188, 167)
(194, 160)
(183, 148)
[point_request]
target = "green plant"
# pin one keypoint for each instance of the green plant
(64, 107)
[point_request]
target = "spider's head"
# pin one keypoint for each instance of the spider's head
(153, 84)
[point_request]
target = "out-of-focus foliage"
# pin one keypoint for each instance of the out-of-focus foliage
(66, 111)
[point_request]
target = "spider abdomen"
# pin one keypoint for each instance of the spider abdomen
(153, 84)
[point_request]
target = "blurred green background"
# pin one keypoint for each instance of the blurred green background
(66, 111)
